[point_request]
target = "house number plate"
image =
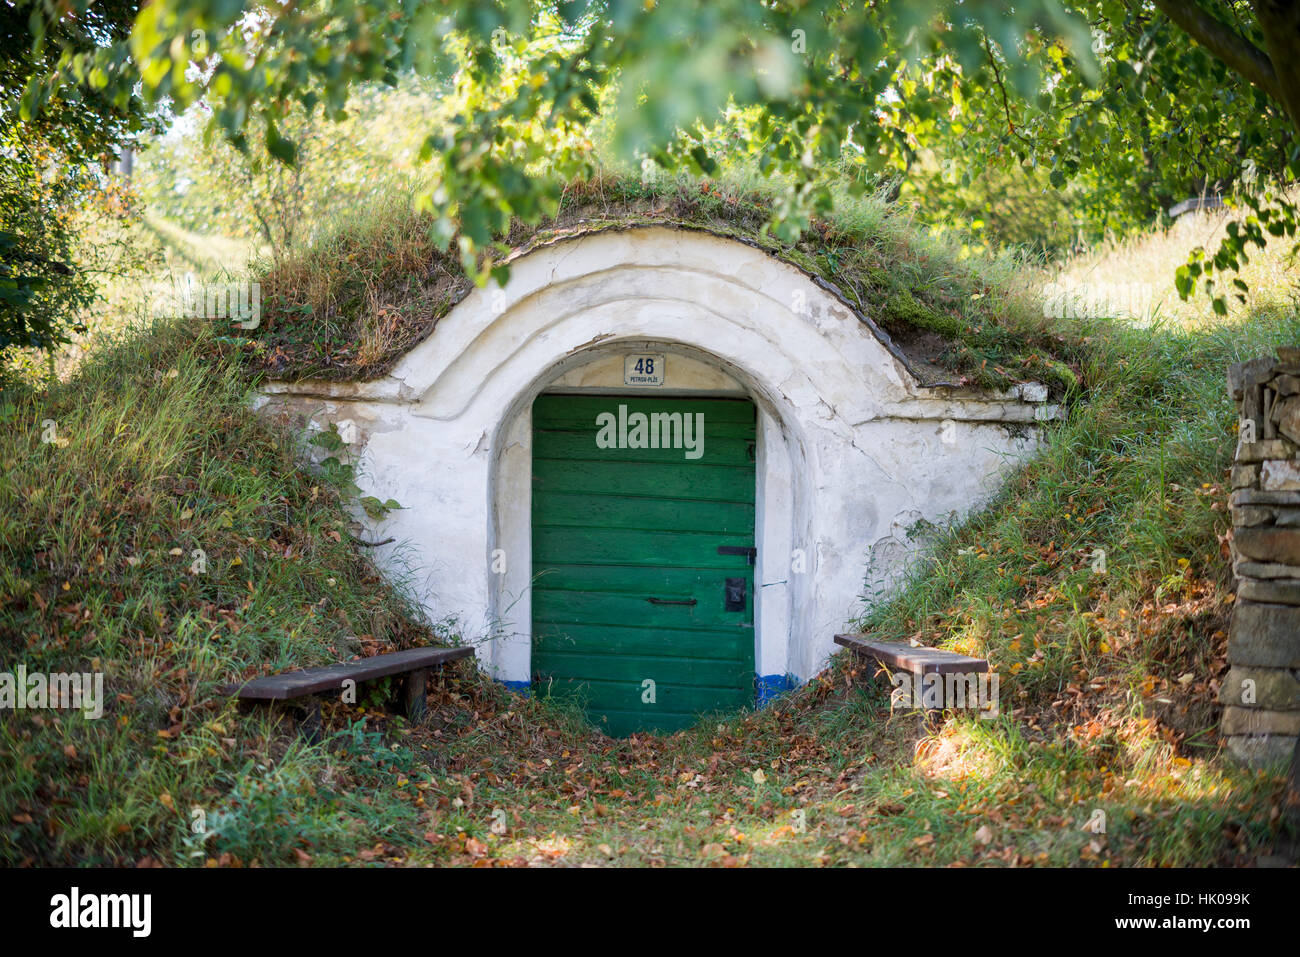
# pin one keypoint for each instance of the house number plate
(646, 369)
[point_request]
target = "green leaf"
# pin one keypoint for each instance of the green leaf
(279, 147)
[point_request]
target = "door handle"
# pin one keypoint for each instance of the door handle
(734, 595)
(670, 601)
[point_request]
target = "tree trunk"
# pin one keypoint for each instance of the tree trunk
(1279, 21)
(1274, 69)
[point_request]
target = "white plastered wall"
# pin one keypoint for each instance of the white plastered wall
(852, 451)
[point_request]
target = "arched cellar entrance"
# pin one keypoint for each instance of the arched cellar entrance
(851, 453)
(663, 497)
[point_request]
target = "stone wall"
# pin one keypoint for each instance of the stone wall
(1261, 694)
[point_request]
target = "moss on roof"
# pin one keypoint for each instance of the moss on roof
(349, 306)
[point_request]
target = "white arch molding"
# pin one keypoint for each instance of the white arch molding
(850, 443)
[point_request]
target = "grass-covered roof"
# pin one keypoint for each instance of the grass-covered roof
(348, 306)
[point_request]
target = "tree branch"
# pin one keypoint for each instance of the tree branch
(1224, 42)
(1006, 104)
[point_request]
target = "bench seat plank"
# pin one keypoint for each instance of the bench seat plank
(296, 684)
(904, 657)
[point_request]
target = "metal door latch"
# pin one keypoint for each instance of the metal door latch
(750, 553)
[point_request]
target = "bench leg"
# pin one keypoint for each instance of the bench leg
(414, 691)
(304, 713)
(913, 703)
(309, 720)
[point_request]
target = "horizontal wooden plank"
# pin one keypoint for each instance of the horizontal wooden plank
(697, 672)
(616, 608)
(296, 684)
(626, 695)
(736, 642)
(637, 579)
(714, 483)
(737, 434)
(620, 546)
(582, 447)
(584, 510)
(553, 407)
(904, 657)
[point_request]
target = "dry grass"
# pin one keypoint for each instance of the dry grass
(1150, 260)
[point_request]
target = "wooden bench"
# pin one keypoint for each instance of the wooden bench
(919, 661)
(413, 665)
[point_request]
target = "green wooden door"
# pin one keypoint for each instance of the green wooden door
(643, 586)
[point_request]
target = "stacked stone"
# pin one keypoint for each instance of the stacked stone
(1261, 694)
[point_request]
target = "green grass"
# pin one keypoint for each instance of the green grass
(156, 455)
(1108, 681)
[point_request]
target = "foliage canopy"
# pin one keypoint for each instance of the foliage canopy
(1106, 93)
